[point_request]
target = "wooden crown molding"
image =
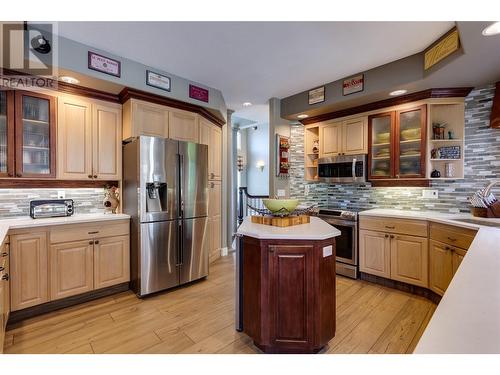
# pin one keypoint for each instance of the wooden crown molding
(130, 93)
(15, 183)
(455, 92)
(495, 109)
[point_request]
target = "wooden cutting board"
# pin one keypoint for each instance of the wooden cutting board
(286, 221)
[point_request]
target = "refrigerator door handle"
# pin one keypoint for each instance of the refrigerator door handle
(181, 184)
(181, 243)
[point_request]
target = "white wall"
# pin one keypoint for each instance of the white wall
(258, 149)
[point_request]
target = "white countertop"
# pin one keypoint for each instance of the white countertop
(467, 320)
(317, 229)
(27, 222)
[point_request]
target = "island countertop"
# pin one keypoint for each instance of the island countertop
(317, 229)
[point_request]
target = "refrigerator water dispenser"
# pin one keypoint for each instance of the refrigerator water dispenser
(156, 197)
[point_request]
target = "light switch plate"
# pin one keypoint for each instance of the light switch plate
(306, 190)
(430, 194)
(281, 193)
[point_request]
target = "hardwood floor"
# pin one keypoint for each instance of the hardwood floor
(199, 318)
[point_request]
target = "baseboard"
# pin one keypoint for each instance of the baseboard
(17, 316)
(404, 287)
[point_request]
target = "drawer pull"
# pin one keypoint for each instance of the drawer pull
(5, 277)
(94, 232)
(4, 254)
(96, 242)
(452, 239)
(1, 269)
(389, 227)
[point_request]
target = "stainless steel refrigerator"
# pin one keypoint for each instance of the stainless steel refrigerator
(165, 191)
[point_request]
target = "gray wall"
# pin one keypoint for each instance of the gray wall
(15, 202)
(258, 149)
(482, 164)
(280, 126)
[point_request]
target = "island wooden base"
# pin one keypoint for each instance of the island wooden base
(288, 294)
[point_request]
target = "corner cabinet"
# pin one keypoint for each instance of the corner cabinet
(397, 144)
(89, 139)
(27, 135)
(183, 126)
(144, 118)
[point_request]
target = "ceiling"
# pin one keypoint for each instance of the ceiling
(254, 61)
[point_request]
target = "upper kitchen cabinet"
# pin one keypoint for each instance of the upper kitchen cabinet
(183, 126)
(397, 144)
(348, 137)
(35, 130)
(89, 139)
(144, 118)
(7, 140)
(211, 135)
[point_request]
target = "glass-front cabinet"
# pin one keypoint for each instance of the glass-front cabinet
(27, 134)
(397, 144)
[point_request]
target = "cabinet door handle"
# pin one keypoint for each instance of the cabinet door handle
(212, 175)
(452, 239)
(95, 176)
(91, 242)
(96, 242)
(386, 236)
(447, 248)
(89, 176)
(19, 175)
(11, 174)
(5, 277)
(389, 227)
(1, 269)
(392, 235)
(4, 254)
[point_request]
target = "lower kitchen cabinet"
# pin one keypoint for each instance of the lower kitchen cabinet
(64, 261)
(111, 261)
(375, 253)
(4, 291)
(29, 270)
(71, 269)
(440, 266)
(409, 260)
(397, 257)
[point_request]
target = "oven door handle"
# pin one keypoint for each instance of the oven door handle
(334, 222)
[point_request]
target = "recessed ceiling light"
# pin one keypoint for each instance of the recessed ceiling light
(69, 79)
(493, 29)
(303, 116)
(247, 104)
(397, 92)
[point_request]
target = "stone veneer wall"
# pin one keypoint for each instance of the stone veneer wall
(16, 202)
(482, 163)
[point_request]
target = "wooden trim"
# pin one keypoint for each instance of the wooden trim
(17, 316)
(391, 146)
(399, 285)
(130, 93)
(423, 140)
(495, 109)
(400, 182)
(6, 183)
(87, 92)
(456, 92)
(19, 94)
(11, 144)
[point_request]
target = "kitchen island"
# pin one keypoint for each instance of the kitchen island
(288, 285)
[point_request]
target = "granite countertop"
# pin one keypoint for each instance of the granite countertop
(467, 320)
(317, 229)
(27, 222)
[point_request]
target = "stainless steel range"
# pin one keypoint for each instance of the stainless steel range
(346, 221)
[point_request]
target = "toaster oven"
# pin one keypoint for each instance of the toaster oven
(51, 208)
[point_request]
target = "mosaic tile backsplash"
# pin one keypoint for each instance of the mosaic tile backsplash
(482, 164)
(16, 202)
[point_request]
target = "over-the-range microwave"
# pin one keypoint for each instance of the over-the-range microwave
(343, 168)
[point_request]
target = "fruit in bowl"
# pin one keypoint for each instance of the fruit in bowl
(281, 205)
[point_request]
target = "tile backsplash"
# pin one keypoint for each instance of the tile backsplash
(482, 164)
(16, 202)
